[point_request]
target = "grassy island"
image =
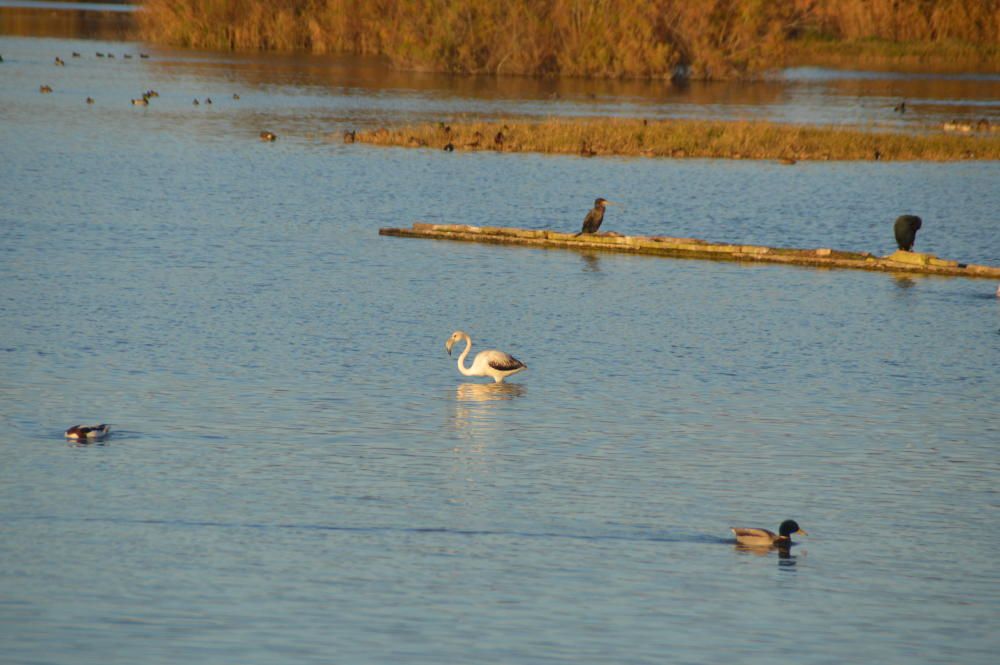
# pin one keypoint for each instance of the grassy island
(688, 138)
(648, 39)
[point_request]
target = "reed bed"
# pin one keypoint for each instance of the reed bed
(688, 138)
(652, 39)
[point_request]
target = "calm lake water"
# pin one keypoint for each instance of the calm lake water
(299, 473)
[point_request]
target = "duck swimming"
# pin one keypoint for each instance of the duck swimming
(753, 537)
(88, 432)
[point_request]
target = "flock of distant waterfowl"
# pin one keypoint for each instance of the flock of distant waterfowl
(143, 99)
(962, 126)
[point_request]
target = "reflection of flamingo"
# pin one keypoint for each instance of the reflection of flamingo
(486, 392)
(495, 364)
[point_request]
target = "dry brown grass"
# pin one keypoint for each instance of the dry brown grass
(689, 138)
(656, 39)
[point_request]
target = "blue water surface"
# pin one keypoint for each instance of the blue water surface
(298, 473)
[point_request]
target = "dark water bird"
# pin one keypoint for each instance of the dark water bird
(126, 56)
(492, 363)
(268, 136)
(60, 62)
(88, 432)
(906, 228)
(151, 93)
(449, 147)
(498, 140)
(876, 155)
(90, 100)
(142, 101)
(900, 107)
(235, 96)
(195, 103)
(753, 537)
(208, 100)
(44, 89)
(143, 55)
(350, 136)
(111, 55)
(593, 220)
(1, 58)
(477, 137)
(75, 54)
(99, 54)
(586, 150)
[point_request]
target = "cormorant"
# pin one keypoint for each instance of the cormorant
(906, 228)
(594, 218)
(900, 107)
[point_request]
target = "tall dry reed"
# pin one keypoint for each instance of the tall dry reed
(656, 39)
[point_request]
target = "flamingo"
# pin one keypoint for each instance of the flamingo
(492, 363)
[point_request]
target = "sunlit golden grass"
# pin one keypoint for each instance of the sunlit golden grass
(689, 138)
(648, 39)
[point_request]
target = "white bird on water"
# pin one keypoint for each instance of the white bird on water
(495, 364)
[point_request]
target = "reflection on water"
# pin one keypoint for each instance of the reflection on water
(489, 392)
(903, 281)
(69, 20)
(591, 262)
(477, 415)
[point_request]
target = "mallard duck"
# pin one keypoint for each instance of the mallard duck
(45, 89)
(236, 96)
(88, 432)
(268, 136)
(142, 101)
(90, 100)
(752, 537)
(60, 61)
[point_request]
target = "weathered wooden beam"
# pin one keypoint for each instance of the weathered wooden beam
(694, 248)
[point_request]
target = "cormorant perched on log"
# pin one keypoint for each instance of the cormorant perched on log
(594, 218)
(906, 228)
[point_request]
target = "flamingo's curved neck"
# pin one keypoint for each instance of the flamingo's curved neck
(461, 358)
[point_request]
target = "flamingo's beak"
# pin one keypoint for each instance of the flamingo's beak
(448, 345)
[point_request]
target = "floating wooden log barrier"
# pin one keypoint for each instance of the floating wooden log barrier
(693, 248)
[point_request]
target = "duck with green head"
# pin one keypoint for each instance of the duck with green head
(754, 537)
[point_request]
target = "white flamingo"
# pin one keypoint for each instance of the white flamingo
(495, 364)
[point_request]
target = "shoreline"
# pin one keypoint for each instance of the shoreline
(680, 139)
